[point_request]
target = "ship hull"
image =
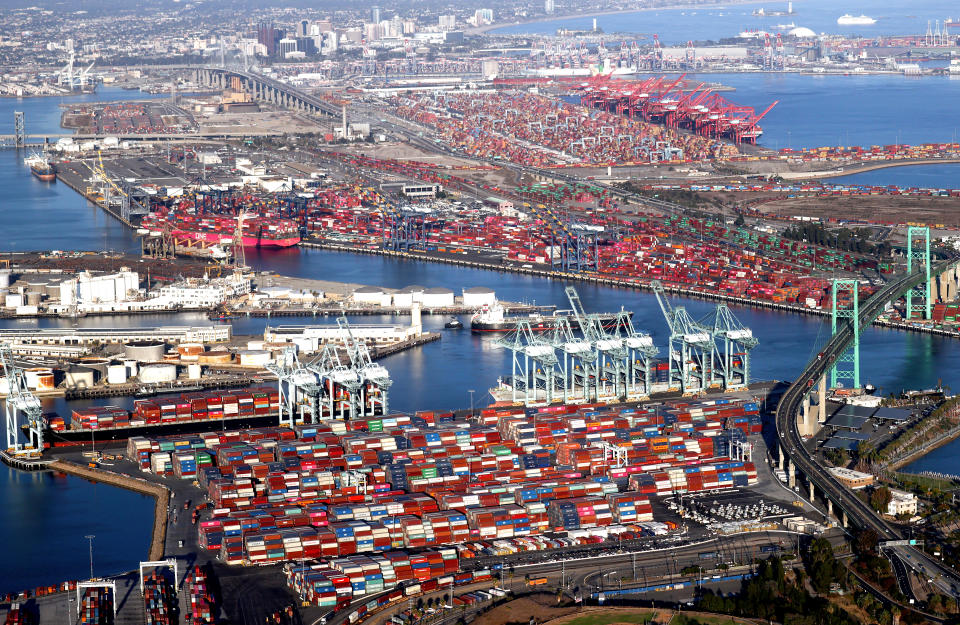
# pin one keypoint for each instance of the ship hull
(226, 239)
(47, 174)
(68, 438)
(541, 324)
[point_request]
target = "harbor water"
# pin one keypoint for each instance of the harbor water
(677, 26)
(49, 515)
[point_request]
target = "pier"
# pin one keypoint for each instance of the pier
(160, 494)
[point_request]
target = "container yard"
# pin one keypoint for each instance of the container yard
(127, 118)
(540, 131)
(406, 482)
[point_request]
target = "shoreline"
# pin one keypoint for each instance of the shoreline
(160, 494)
(865, 167)
(487, 29)
(621, 284)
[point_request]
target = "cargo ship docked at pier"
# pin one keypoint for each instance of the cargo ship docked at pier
(188, 413)
(493, 318)
(256, 230)
(41, 167)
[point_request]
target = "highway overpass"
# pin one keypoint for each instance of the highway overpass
(852, 509)
(264, 89)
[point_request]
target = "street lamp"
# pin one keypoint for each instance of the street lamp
(90, 538)
(471, 391)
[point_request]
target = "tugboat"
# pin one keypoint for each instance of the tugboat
(454, 324)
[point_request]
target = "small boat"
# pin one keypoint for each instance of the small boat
(454, 324)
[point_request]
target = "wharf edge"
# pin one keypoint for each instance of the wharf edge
(160, 494)
(620, 284)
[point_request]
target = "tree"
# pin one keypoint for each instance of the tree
(865, 542)
(880, 498)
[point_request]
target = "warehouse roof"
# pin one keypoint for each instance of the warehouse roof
(839, 420)
(893, 414)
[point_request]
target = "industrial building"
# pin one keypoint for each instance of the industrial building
(309, 339)
(852, 479)
(195, 293)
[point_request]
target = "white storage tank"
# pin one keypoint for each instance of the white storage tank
(405, 297)
(254, 358)
(117, 374)
(131, 366)
(4, 278)
(479, 296)
(39, 378)
(14, 300)
(163, 372)
(144, 351)
(79, 377)
(368, 295)
(194, 371)
(436, 297)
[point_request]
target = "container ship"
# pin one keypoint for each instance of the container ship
(41, 167)
(257, 231)
(188, 413)
(493, 319)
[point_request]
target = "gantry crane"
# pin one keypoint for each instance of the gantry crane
(640, 356)
(691, 347)
(21, 408)
(732, 357)
(131, 203)
(579, 363)
(298, 387)
(611, 353)
(374, 378)
(535, 366)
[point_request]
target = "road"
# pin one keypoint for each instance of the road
(791, 443)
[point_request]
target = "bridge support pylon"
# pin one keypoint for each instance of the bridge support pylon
(791, 474)
(846, 310)
(812, 492)
(919, 300)
(830, 508)
(844, 518)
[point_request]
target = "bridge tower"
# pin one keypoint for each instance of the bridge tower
(19, 136)
(918, 258)
(846, 312)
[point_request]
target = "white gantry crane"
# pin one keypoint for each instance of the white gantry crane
(691, 347)
(21, 408)
(732, 355)
(299, 389)
(579, 363)
(536, 368)
(641, 354)
(610, 350)
(374, 378)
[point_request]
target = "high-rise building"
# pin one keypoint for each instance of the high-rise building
(548, 6)
(375, 14)
(307, 45)
(448, 22)
(303, 28)
(268, 36)
(286, 45)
